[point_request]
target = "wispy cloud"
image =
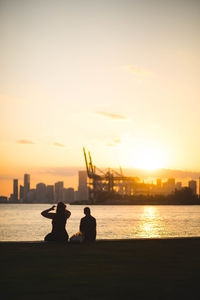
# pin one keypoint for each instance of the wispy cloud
(140, 71)
(114, 142)
(59, 171)
(26, 142)
(58, 144)
(112, 116)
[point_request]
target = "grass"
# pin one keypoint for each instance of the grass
(129, 269)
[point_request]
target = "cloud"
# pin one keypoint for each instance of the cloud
(60, 171)
(112, 116)
(26, 142)
(7, 177)
(114, 142)
(58, 144)
(140, 72)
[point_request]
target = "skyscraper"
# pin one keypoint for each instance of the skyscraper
(41, 191)
(59, 191)
(15, 190)
(193, 186)
(50, 193)
(82, 186)
(69, 195)
(26, 184)
(21, 193)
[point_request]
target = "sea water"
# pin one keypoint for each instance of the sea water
(23, 222)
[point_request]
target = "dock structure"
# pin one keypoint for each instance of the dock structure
(110, 183)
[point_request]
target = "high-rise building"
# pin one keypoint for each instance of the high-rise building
(193, 186)
(69, 195)
(41, 192)
(179, 185)
(50, 193)
(21, 193)
(26, 184)
(15, 190)
(82, 186)
(199, 186)
(31, 196)
(169, 186)
(59, 191)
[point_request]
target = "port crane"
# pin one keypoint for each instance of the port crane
(104, 183)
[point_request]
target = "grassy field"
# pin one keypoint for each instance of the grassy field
(129, 269)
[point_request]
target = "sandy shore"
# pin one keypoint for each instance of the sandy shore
(120, 269)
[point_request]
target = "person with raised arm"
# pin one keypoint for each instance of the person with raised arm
(59, 219)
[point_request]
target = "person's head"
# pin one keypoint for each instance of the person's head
(60, 208)
(87, 211)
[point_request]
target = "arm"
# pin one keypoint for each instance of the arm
(81, 229)
(46, 214)
(68, 214)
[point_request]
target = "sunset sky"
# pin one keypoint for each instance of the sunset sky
(121, 78)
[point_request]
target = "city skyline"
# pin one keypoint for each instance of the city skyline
(46, 193)
(69, 176)
(119, 77)
(56, 192)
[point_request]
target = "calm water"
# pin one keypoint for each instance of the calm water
(23, 222)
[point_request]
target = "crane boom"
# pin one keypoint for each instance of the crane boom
(86, 162)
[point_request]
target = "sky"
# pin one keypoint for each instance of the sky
(121, 78)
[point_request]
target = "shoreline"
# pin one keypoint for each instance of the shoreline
(110, 240)
(114, 204)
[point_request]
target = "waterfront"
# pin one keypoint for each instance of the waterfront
(23, 222)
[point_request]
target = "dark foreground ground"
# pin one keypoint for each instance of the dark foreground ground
(129, 269)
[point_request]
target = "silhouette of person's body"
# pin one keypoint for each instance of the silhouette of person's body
(88, 225)
(59, 219)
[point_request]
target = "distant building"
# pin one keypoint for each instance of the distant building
(59, 191)
(50, 194)
(11, 198)
(75, 195)
(199, 186)
(69, 195)
(21, 193)
(179, 185)
(169, 186)
(192, 184)
(41, 192)
(31, 196)
(82, 187)
(15, 190)
(3, 199)
(26, 185)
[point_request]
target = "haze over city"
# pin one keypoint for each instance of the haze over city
(119, 77)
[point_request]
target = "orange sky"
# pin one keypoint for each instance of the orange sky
(119, 77)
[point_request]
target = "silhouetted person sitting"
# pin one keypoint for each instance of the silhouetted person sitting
(88, 225)
(59, 219)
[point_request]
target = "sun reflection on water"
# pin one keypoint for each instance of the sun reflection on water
(150, 224)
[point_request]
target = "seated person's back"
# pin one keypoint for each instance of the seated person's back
(88, 225)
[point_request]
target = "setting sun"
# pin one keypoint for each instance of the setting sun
(143, 154)
(149, 159)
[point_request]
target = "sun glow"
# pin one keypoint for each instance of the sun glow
(143, 154)
(149, 159)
